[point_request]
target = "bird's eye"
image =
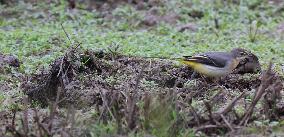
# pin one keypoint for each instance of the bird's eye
(243, 53)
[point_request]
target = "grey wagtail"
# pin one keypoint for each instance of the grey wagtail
(215, 64)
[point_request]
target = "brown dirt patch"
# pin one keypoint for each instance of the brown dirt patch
(9, 60)
(83, 76)
(95, 72)
(8, 63)
(114, 84)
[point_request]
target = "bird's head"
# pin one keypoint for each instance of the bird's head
(248, 61)
(240, 54)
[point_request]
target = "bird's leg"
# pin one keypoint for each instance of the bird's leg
(203, 78)
(222, 86)
(216, 81)
(193, 75)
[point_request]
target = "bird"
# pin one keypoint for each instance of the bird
(215, 64)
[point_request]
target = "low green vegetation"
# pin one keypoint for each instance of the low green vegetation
(33, 32)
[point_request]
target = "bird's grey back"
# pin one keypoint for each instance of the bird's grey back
(219, 58)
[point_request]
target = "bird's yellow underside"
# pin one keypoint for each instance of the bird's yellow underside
(192, 64)
(197, 67)
(211, 71)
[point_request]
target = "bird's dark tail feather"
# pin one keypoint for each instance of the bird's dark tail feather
(168, 58)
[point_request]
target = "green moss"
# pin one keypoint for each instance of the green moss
(30, 39)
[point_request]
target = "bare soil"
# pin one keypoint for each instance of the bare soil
(100, 79)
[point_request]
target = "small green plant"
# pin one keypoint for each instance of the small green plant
(103, 130)
(15, 107)
(253, 30)
(160, 116)
(35, 104)
(2, 99)
(240, 110)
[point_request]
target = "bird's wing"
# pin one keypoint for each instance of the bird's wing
(216, 59)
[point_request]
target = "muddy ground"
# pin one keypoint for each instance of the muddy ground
(101, 71)
(140, 93)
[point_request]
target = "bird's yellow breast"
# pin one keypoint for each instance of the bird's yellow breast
(207, 70)
(198, 67)
(194, 65)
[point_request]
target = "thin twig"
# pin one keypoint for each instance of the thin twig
(265, 82)
(195, 115)
(25, 117)
(36, 118)
(229, 107)
(189, 96)
(106, 104)
(208, 127)
(14, 118)
(14, 132)
(134, 99)
(209, 109)
(214, 99)
(46, 130)
(61, 66)
(65, 33)
(227, 123)
(236, 114)
(53, 110)
(105, 107)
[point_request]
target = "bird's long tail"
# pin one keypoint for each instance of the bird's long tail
(184, 60)
(168, 58)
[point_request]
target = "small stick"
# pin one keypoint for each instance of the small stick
(207, 127)
(65, 33)
(209, 109)
(195, 115)
(227, 123)
(231, 104)
(265, 82)
(36, 118)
